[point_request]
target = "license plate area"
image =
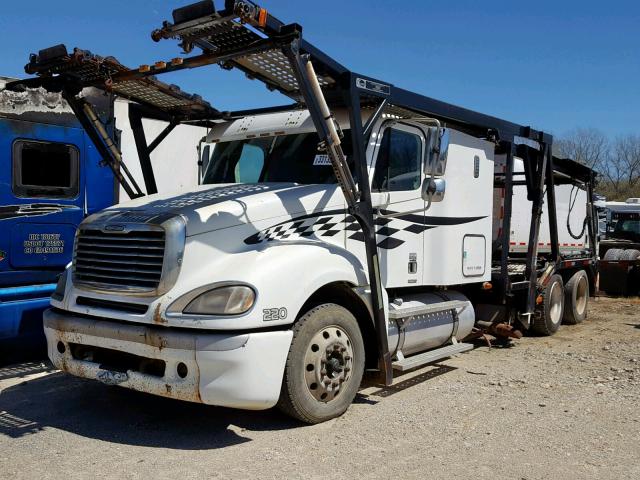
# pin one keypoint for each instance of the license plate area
(115, 361)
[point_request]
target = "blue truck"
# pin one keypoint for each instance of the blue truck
(51, 177)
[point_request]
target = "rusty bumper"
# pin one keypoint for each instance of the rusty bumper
(233, 370)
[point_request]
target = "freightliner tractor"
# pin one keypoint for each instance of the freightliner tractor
(360, 227)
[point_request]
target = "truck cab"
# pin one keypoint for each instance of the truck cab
(620, 251)
(49, 181)
(215, 280)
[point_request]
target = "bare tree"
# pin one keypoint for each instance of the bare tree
(586, 145)
(626, 150)
(617, 162)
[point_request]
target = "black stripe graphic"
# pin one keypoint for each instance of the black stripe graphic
(329, 223)
(32, 210)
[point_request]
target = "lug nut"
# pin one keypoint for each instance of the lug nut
(347, 369)
(347, 357)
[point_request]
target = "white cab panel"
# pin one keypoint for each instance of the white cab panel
(464, 213)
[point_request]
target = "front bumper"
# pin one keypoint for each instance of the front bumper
(232, 370)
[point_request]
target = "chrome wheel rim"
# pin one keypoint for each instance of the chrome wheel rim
(328, 363)
(555, 303)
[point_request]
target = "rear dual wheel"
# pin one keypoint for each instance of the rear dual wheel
(548, 319)
(325, 365)
(613, 254)
(618, 254)
(576, 294)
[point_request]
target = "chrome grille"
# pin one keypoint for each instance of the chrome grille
(119, 260)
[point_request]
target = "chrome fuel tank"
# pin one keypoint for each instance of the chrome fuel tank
(417, 332)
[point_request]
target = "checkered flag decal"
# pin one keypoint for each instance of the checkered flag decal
(301, 227)
(324, 225)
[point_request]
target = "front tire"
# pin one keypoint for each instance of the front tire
(325, 365)
(548, 320)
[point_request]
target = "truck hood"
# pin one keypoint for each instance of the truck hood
(214, 207)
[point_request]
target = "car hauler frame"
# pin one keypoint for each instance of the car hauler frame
(245, 36)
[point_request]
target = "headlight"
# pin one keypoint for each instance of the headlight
(233, 300)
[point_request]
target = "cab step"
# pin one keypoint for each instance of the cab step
(431, 356)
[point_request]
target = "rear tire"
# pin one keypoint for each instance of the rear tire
(576, 298)
(325, 365)
(613, 254)
(633, 282)
(547, 321)
(630, 255)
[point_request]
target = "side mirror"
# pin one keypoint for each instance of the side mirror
(442, 152)
(433, 189)
(436, 163)
(203, 161)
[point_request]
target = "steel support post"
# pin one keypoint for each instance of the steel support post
(144, 157)
(359, 202)
(551, 207)
(506, 221)
(531, 272)
(103, 143)
(363, 212)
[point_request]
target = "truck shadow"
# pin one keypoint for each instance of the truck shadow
(435, 370)
(112, 414)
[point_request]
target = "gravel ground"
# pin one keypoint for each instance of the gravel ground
(560, 407)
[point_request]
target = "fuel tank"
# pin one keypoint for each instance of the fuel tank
(419, 332)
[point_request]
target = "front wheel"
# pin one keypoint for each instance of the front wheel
(325, 365)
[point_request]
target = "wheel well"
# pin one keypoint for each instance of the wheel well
(341, 293)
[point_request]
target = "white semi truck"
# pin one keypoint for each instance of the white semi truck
(360, 228)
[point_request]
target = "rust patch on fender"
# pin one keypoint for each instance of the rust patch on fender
(157, 318)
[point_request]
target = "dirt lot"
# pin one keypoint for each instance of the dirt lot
(561, 407)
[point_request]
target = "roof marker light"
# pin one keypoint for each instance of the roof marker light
(262, 17)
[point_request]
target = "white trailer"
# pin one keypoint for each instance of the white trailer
(572, 206)
(181, 143)
(351, 230)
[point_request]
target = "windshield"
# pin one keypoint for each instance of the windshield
(286, 158)
(626, 224)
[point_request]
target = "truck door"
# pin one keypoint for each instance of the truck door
(396, 188)
(42, 198)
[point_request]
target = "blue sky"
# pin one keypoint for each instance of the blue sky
(555, 65)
